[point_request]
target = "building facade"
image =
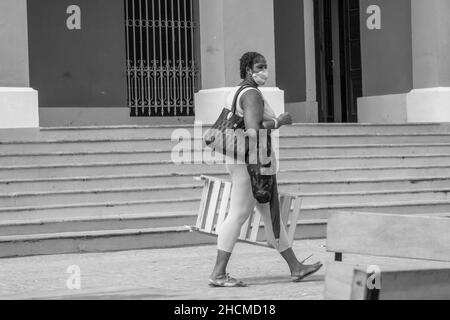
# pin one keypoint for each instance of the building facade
(121, 62)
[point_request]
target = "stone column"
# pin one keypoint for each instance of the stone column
(229, 28)
(18, 102)
(386, 60)
(429, 101)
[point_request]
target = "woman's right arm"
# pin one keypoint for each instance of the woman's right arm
(253, 106)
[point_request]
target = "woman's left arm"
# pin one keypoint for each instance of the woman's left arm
(276, 123)
(271, 124)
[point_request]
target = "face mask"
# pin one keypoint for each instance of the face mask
(261, 77)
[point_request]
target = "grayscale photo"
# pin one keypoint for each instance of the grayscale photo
(224, 156)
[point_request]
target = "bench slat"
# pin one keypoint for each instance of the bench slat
(401, 236)
(224, 204)
(203, 204)
(255, 227)
(246, 227)
(285, 206)
(294, 219)
(212, 208)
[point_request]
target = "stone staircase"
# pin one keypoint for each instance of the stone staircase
(93, 189)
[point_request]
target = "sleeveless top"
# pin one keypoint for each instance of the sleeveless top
(269, 114)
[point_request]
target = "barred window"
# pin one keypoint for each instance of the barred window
(161, 68)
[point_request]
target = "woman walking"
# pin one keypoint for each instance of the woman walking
(257, 115)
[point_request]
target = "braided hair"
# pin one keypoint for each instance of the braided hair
(248, 60)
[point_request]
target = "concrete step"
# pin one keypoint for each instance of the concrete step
(103, 211)
(99, 241)
(362, 161)
(374, 197)
(58, 149)
(193, 190)
(309, 211)
(99, 209)
(139, 181)
(104, 169)
(295, 176)
(21, 147)
(152, 157)
(55, 148)
(352, 128)
(122, 144)
(96, 223)
(376, 172)
(112, 132)
(128, 220)
(296, 173)
(128, 239)
(353, 185)
(95, 182)
(147, 168)
(365, 150)
(85, 158)
(345, 139)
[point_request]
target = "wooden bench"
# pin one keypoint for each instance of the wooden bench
(420, 244)
(214, 209)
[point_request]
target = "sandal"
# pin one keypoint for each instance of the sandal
(225, 281)
(307, 272)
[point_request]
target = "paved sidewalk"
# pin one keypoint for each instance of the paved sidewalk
(179, 273)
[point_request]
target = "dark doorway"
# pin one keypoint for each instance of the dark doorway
(338, 59)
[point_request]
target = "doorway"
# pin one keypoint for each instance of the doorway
(338, 59)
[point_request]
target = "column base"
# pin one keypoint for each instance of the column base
(19, 108)
(304, 112)
(101, 117)
(429, 105)
(210, 103)
(383, 109)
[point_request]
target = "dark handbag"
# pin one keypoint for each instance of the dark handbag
(265, 189)
(221, 136)
(262, 185)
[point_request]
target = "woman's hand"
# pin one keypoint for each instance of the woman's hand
(285, 119)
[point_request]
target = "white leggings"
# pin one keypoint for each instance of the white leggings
(242, 204)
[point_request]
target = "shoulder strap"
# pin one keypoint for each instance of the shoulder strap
(234, 106)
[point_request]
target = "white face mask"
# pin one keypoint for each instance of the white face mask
(261, 77)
